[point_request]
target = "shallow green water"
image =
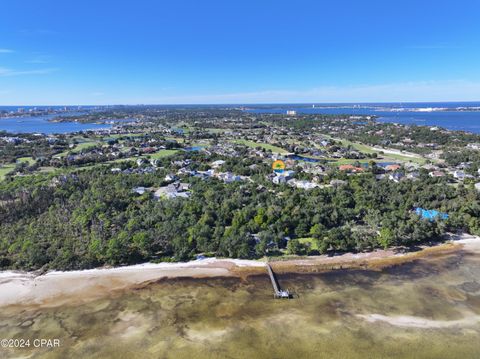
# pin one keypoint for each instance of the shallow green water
(230, 318)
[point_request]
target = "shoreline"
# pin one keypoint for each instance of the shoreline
(27, 289)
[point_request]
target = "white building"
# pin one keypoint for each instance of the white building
(302, 184)
(139, 190)
(217, 164)
(170, 177)
(229, 177)
(173, 190)
(283, 177)
(460, 175)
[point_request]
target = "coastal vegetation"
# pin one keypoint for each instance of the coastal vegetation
(167, 188)
(93, 217)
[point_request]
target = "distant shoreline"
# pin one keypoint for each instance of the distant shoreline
(28, 290)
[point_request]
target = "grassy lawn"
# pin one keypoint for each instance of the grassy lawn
(159, 154)
(78, 147)
(116, 136)
(215, 130)
(178, 139)
(267, 146)
(387, 157)
(47, 169)
(4, 169)
(398, 157)
(346, 161)
(309, 241)
(28, 160)
(84, 145)
(163, 153)
(118, 161)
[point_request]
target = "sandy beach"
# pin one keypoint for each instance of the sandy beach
(58, 288)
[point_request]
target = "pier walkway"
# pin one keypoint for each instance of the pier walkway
(277, 291)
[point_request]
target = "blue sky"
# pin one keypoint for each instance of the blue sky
(145, 51)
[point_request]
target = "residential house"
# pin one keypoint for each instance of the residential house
(170, 177)
(337, 183)
(460, 175)
(229, 177)
(302, 184)
(217, 164)
(413, 176)
(392, 167)
(139, 190)
(350, 168)
(437, 174)
(173, 190)
(396, 176)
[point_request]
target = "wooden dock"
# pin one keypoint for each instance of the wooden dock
(277, 291)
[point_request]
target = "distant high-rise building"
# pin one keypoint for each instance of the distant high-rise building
(291, 113)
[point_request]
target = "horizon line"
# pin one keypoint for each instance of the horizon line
(246, 104)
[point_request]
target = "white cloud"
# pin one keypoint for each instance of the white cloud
(420, 91)
(458, 90)
(6, 72)
(6, 51)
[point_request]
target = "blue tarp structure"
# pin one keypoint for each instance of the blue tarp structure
(431, 214)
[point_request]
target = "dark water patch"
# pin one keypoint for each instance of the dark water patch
(333, 279)
(470, 287)
(421, 268)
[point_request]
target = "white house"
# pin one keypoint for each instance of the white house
(170, 177)
(139, 190)
(217, 164)
(474, 146)
(302, 184)
(279, 179)
(396, 177)
(229, 177)
(173, 190)
(460, 175)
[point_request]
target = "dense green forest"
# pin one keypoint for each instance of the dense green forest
(92, 217)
